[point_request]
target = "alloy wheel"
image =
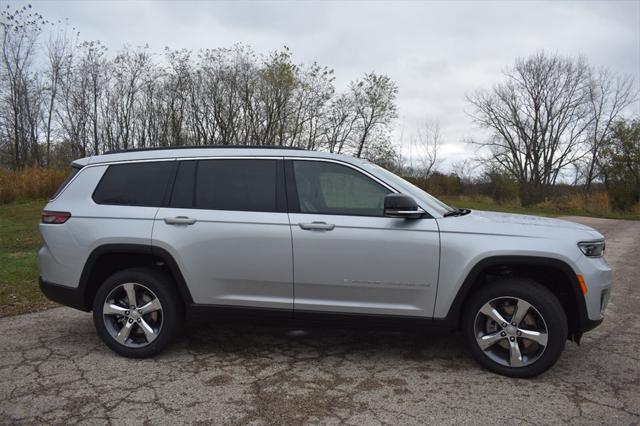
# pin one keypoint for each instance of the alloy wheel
(132, 315)
(511, 332)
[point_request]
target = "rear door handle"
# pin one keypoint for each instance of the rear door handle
(179, 220)
(317, 226)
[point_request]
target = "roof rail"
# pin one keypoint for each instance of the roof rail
(162, 148)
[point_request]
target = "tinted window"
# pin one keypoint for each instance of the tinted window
(136, 184)
(245, 185)
(329, 188)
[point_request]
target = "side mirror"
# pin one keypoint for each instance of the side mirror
(402, 206)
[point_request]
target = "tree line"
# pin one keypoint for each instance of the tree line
(551, 114)
(550, 119)
(62, 97)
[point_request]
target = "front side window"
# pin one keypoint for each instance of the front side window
(134, 184)
(330, 188)
(244, 185)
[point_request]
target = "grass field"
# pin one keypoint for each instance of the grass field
(19, 242)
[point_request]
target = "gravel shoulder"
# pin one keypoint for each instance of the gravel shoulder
(54, 369)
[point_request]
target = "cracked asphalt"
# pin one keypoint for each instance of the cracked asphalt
(54, 369)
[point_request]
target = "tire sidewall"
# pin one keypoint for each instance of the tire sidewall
(542, 300)
(163, 289)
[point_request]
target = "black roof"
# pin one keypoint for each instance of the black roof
(162, 148)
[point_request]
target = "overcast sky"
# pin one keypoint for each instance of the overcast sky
(436, 51)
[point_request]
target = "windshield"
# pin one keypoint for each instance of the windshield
(412, 189)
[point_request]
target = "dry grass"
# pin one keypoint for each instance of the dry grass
(577, 204)
(596, 203)
(29, 183)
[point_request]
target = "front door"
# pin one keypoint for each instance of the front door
(348, 257)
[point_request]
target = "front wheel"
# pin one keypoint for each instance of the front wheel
(137, 312)
(515, 327)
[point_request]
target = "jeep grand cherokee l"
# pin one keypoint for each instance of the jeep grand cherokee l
(143, 237)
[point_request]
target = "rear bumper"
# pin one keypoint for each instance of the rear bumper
(68, 296)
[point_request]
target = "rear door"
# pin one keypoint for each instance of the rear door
(227, 228)
(348, 257)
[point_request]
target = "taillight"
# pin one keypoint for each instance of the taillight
(55, 217)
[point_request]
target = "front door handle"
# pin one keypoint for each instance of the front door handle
(317, 226)
(179, 220)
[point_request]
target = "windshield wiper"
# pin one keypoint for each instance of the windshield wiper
(457, 212)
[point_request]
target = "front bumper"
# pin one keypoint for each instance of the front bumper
(590, 325)
(597, 276)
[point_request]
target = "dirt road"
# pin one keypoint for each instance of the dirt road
(54, 369)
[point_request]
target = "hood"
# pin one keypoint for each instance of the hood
(522, 219)
(496, 223)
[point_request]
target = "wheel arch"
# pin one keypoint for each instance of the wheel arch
(108, 259)
(554, 274)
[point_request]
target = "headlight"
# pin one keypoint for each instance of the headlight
(592, 248)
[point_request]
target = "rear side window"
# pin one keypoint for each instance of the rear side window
(74, 171)
(246, 185)
(240, 185)
(136, 184)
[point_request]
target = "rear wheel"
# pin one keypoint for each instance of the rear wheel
(515, 327)
(137, 312)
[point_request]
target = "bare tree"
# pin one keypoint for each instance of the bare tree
(427, 142)
(309, 105)
(93, 64)
(130, 70)
(73, 111)
(381, 151)
(464, 169)
(58, 51)
(21, 89)
(74, 99)
(609, 96)
(538, 117)
(374, 99)
(340, 123)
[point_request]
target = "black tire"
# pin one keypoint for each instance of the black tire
(548, 307)
(165, 291)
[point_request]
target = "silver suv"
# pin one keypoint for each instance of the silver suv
(144, 237)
